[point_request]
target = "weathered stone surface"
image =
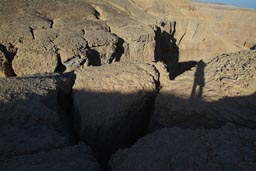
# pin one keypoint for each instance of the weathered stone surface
(77, 158)
(226, 148)
(33, 114)
(113, 104)
(139, 43)
(65, 9)
(39, 56)
(210, 95)
(87, 40)
(56, 36)
(100, 32)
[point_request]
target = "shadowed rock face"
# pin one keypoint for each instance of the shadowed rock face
(7, 54)
(32, 117)
(78, 157)
(113, 104)
(226, 148)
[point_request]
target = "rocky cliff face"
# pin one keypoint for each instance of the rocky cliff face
(59, 36)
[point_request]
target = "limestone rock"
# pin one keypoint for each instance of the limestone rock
(103, 45)
(34, 114)
(210, 95)
(100, 32)
(57, 36)
(113, 104)
(139, 43)
(77, 158)
(89, 41)
(226, 148)
(39, 56)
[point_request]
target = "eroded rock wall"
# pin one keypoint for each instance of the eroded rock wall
(64, 35)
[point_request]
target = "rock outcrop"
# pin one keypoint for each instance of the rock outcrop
(113, 104)
(211, 94)
(77, 158)
(63, 35)
(226, 148)
(34, 114)
(49, 40)
(34, 57)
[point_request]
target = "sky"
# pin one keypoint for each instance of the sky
(239, 3)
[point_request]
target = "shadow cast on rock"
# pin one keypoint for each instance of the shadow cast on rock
(167, 51)
(109, 121)
(196, 113)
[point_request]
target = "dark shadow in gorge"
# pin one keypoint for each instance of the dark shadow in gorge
(119, 50)
(110, 121)
(167, 50)
(199, 114)
(113, 121)
(41, 122)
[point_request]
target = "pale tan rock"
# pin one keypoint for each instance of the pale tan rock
(204, 30)
(39, 56)
(113, 104)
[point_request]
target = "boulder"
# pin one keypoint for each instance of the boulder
(77, 158)
(37, 56)
(139, 42)
(211, 94)
(34, 114)
(113, 104)
(167, 149)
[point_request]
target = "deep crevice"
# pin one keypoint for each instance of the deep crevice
(32, 32)
(119, 50)
(253, 47)
(60, 67)
(9, 53)
(65, 102)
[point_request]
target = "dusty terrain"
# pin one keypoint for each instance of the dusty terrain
(127, 85)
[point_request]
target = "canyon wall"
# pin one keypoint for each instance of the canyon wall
(45, 36)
